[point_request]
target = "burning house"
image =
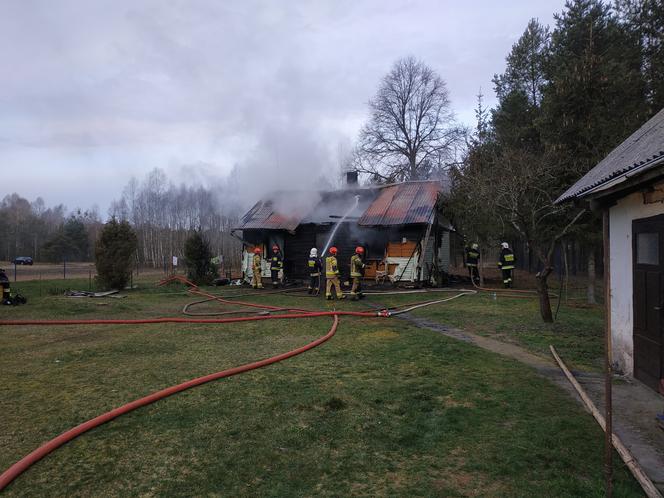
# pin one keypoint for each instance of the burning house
(401, 227)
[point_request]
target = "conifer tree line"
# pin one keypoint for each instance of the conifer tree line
(570, 93)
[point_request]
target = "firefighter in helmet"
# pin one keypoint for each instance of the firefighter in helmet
(315, 268)
(506, 264)
(276, 265)
(256, 280)
(356, 271)
(4, 282)
(472, 262)
(332, 276)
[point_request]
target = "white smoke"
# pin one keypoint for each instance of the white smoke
(286, 158)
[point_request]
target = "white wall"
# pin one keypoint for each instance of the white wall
(620, 218)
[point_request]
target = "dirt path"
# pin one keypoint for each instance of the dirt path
(634, 405)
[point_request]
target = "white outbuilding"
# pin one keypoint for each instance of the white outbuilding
(628, 187)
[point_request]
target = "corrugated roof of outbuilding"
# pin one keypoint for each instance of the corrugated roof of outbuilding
(642, 150)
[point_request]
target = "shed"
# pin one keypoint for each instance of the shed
(628, 186)
(401, 226)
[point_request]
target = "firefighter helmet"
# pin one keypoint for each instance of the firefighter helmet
(257, 250)
(359, 250)
(333, 251)
(505, 245)
(275, 248)
(475, 247)
(313, 253)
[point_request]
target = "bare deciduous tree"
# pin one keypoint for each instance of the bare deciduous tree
(164, 215)
(411, 130)
(519, 188)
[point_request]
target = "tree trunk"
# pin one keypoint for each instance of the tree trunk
(543, 291)
(591, 277)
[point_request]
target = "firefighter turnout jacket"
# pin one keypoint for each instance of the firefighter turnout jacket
(257, 262)
(331, 267)
(276, 263)
(356, 266)
(315, 267)
(472, 257)
(507, 259)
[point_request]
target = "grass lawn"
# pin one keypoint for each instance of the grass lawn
(382, 409)
(577, 333)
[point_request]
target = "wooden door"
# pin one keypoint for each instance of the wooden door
(648, 300)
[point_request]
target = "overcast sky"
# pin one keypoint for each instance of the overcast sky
(95, 91)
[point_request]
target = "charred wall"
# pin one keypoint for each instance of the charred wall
(296, 246)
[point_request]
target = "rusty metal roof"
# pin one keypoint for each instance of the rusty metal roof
(266, 216)
(402, 204)
(398, 204)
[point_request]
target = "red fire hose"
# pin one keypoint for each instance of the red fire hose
(19, 467)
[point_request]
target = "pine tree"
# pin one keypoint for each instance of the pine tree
(595, 96)
(115, 251)
(198, 258)
(645, 19)
(520, 88)
(69, 243)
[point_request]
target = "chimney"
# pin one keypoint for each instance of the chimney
(351, 178)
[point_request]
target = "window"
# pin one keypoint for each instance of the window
(647, 248)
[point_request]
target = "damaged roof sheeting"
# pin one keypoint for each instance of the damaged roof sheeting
(402, 204)
(265, 216)
(643, 150)
(333, 205)
(390, 205)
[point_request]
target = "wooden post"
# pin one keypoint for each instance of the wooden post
(608, 416)
(632, 464)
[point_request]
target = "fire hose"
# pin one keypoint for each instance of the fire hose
(24, 463)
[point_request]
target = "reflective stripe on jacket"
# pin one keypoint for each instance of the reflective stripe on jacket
(314, 267)
(507, 259)
(276, 263)
(356, 266)
(472, 257)
(331, 269)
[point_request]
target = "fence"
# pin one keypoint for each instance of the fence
(80, 270)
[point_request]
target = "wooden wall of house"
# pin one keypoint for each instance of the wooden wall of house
(296, 246)
(296, 251)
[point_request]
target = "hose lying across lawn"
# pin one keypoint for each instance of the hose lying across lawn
(286, 313)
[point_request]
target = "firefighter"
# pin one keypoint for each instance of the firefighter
(332, 276)
(472, 262)
(315, 268)
(276, 265)
(4, 281)
(257, 281)
(356, 271)
(506, 264)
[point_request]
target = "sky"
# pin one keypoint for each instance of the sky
(94, 92)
